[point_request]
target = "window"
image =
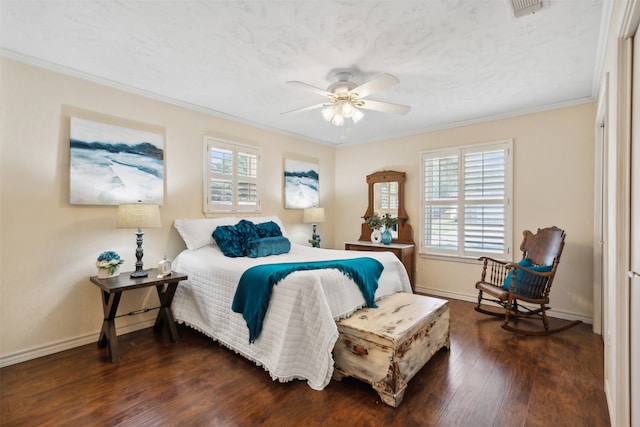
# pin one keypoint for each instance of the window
(466, 201)
(230, 177)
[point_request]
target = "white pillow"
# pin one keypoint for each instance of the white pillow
(196, 233)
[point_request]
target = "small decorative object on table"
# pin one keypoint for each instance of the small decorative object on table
(375, 222)
(389, 222)
(108, 264)
(386, 237)
(164, 268)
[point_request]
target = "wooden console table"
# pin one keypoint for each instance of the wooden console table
(112, 289)
(404, 252)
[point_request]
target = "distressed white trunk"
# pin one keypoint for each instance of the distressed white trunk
(386, 346)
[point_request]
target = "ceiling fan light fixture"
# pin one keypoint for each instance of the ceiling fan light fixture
(338, 120)
(341, 111)
(327, 113)
(347, 109)
(346, 98)
(357, 115)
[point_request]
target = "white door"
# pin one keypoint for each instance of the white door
(634, 280)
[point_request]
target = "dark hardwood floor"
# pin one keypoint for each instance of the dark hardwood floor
(490, 377)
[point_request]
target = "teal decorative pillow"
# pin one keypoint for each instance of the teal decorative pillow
(526, 262)
(523, 276)
(228, 240)
(232, 239)
(247, 230)
(268, 229)
(268, 246)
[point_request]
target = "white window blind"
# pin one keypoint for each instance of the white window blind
(466, 201)
(230, 177)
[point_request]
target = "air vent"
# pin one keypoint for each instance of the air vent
(525, 7)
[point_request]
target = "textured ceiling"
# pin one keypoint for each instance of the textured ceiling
(458, 61)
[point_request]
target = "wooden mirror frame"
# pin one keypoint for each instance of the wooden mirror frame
(404, 229)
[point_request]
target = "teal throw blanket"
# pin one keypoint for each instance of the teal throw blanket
(254, 290)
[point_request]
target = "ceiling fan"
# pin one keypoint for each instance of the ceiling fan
(346, 98)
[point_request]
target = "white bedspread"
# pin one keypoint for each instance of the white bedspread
(299, 329)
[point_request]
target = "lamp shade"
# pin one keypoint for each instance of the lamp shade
(138, 215)
(313, 215)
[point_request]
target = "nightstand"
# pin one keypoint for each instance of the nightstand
(112, 290)
(404, 252)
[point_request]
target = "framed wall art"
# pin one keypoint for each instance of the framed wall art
(301, 184)
(112, 164)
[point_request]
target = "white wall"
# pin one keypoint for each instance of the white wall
(48, 247)
(553, 185)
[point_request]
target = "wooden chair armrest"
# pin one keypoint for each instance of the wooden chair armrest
(516, 266)
(497, 270)
(487, 259)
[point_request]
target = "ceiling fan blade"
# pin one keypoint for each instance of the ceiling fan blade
(385, 107)
(311, 88)
(375, 85)
(310, 107)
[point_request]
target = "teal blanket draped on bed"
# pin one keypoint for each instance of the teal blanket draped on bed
(255, 286)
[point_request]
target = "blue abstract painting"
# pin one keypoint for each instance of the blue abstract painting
(301, 181)
(112, 164)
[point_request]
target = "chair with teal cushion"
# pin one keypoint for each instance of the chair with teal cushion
(528, 281)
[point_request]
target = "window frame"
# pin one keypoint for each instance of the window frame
(461, 253)
(209, 143)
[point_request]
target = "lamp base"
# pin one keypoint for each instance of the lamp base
(139, 253)
(138, 273)
(315, 240)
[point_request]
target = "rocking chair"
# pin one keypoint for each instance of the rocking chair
(527, 281)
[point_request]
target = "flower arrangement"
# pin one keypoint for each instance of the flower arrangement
(389, 221)
(110, 260)
(374, 221)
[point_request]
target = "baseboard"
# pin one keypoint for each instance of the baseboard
(45, 350)
(474, 298)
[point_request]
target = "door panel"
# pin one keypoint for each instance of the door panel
(634, 281)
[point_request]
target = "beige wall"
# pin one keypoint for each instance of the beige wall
(49, 247)
(553, 185)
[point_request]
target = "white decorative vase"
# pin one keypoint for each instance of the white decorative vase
(104, 273)
(376, 236)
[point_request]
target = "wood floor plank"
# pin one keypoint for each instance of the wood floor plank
(489, 377)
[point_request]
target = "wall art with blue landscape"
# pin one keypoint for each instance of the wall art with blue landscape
(112, 164)
(301, 181)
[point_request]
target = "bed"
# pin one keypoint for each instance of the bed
(299, 329)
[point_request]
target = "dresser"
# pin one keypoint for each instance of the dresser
(404, 252)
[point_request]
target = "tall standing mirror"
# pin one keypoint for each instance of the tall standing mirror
(386, 195)
(385, 201)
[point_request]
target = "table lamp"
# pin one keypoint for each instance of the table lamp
(313, 216)
(138, 215)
